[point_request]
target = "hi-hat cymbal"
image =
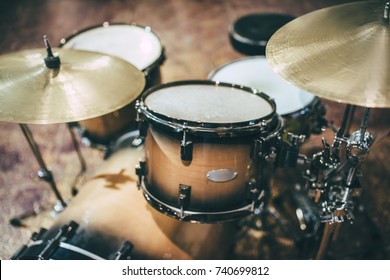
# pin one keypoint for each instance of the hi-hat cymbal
(85, 85)
(341, 53)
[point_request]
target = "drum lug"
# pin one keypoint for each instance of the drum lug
(142, 127)
(184, 198)
(124, 251)
(38, 235)
(257, 149)
(34, 237)
(140, 172)
(186, 147)
(66, 232)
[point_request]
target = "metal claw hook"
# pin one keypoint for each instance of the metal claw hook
(51, 61)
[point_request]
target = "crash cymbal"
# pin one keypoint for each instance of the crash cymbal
(341, 53)
(77, 86)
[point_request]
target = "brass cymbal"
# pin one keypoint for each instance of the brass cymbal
(340, 53)
(85, 85)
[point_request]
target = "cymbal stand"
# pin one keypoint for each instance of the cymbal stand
(44, 174)
(335, 179)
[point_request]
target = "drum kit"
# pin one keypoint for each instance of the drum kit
(195, 157)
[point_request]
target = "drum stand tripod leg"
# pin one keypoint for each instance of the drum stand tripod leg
(329, 232)
(79, 155)
(326, 236)
(43, 173)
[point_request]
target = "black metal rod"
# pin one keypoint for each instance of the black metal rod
(386, 14)
(77, 148)
(346, 121)
(48, 47)
(79, 155)
(364, 123)
(44, 172)
(345, 126)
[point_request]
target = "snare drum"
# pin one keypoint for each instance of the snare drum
(111, 213)
(303, 113)
(205, 144)
(136, 44)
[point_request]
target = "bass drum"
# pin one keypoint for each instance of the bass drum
(138, 45)
(112, 213)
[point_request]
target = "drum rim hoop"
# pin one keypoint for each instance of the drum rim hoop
(106, 24)
(196, 216)
(293, 114)
(178, 125)
(212, 74)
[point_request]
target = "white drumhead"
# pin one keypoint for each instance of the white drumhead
(208, 103)
(135, 44)
(255, 72)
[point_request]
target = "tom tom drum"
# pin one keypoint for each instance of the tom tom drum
(206, 145)
(302, 112)
(138, 45)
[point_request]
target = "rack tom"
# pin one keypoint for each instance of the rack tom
(136, 44)
(205, 147)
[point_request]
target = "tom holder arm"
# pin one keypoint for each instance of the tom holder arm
(44, 173)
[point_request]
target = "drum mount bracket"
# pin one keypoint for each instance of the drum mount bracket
(184, 198)
(140, 171)
(288, 152)
(333, 179)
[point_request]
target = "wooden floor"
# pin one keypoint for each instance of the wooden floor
(195, 37)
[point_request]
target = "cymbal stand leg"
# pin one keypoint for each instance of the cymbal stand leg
(80, 157)
(43, 173)
(326, 236)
